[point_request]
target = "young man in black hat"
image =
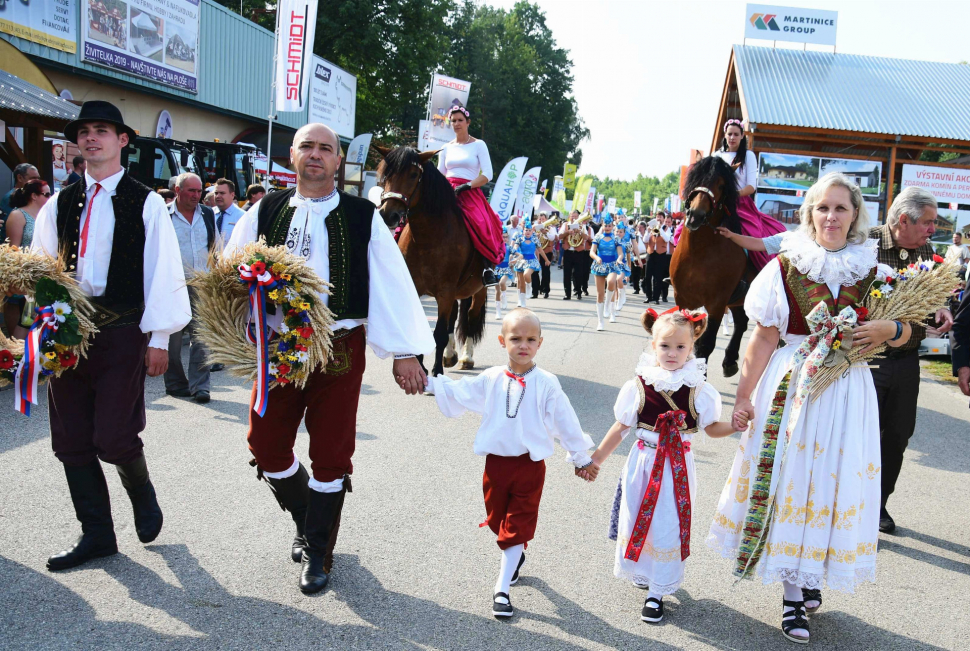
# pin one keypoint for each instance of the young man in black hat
(116, 235)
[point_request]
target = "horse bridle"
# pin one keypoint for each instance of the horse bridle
(406, 200)
(709, 193)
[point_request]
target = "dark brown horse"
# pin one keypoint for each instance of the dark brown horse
(707, 268)
(437, 248)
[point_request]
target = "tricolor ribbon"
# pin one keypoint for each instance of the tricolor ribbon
(260, 281)
(520, 380)
(27, 376)
(669, 445)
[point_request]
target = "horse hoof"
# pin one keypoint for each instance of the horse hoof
(467, 365)
(730, 370)
(449, 362)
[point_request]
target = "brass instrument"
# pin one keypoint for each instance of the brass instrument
(576, 238)
(543, 240)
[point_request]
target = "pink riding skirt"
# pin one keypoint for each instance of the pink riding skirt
(484, 226)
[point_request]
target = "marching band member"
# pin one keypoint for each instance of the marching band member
(574, 239)
(547, 240)
(605, 252)
(526, 247)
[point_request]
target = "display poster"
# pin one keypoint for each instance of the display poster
(569, 176)
(874, 216)
(333, 97)
(446, 92)
(791, 24)
(949, 221)
(867, 174)
(787, 171)
(507, 187)
(947, 184)
(427, 140)
(62, 168)
(637, 196)
(157, 40)
(49, 22)
(164, 127)
(782, 207)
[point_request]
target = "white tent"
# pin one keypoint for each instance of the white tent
(539, 204)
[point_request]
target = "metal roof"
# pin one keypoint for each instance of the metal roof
(849, 92)
(18, 95)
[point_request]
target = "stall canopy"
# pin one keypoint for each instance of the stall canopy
(847, 106)
(24, 105)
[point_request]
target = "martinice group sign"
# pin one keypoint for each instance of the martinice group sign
(773, 23)
(154, 39)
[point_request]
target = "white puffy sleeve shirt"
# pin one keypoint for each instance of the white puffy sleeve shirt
(465, 161)
(626, 410)
(396, 322)
(166, 297)
(747, 175)
(545, 414)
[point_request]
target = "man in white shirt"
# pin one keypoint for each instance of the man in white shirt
(958, 251)
(370, 283)
(195, 227)
(117, 238)
(229, 213)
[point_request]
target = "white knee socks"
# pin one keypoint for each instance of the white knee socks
(510, 561)
(792, 591)
(521, 299)
(505, 300)
(599, 317)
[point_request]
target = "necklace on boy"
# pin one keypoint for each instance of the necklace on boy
(515, 378)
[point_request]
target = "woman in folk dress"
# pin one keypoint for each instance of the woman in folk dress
(801, 505)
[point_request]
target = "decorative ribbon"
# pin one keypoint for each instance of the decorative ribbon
(27, 376)
(693, 318)
(260, 281)
(520, 380)
(807, 361)
(669, 445)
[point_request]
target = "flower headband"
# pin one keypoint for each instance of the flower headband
(684, 313)
(460, 109)
(735, 122)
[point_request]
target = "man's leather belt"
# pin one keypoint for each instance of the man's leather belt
(115, 315)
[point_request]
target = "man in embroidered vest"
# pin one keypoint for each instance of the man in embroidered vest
(117, 237)
(910, 222)
(346, 242)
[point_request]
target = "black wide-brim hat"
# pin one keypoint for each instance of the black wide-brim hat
(98, 111)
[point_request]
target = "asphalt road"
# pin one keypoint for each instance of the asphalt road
(413, 569)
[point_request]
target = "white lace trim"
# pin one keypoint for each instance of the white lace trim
(845, 267)
(661, 589)
(809, 580)
(693, 373)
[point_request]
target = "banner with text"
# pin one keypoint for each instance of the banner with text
(157, 40)
(427, 141)
(611, 205)
(333, 97)
(569, 175)
(507, 187)
(637, 196)
(590, 199)
(445, 93)
(792, 24)
(947, 184)
(358, 149)
(294, 54)
(527, 189)
(49, 22)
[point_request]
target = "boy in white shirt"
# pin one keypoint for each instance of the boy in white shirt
(524, 409)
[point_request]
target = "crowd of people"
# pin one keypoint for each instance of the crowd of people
(132, 250)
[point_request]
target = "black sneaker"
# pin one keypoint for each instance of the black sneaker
(215, 368)
(886, 522)
(178, 393)
(501, 605)
(567, 298)
(515, 577)
(653, 610)
(201, 397)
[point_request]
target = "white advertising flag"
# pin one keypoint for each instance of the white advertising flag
(294, 53)
(636, 199)
(507, 187)
(611, 205)
(527, 189)
(358, 148)
(590, 199)
(655, 200)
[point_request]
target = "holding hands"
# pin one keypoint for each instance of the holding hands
(589, 473)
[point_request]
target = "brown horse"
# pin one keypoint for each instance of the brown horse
(436, 246)
(707, 268)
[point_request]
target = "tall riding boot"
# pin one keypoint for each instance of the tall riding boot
(92, 505)
(148, 514)
(599, 317)
(505, 300)
(292, 494)
(611, 303)
(489, 279)
(322, 522)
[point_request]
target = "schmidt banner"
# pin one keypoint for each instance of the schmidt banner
(294, 54)
(772, 23)
(154, 39)
(445, 93)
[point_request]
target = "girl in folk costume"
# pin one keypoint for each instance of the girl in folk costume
(466, 164)
(606, 251)
(665, 404)
(504, 273)
(801, 504)
(734, 151)
(525, 247)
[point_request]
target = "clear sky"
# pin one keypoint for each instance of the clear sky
(648, 74)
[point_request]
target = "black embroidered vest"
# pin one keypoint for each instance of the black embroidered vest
(654, 404)
(348, 232)
(126, 271)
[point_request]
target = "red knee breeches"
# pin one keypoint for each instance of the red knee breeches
(513, 488)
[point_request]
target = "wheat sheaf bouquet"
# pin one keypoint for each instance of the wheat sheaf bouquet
(62, 323)
(908, 296)
(239, 295)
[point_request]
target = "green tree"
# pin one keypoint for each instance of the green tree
(649, 186)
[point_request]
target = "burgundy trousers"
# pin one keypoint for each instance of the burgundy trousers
(513, 488)
(97, 409)
(329, 404)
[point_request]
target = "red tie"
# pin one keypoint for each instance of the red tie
(520, 380)
(87, 220)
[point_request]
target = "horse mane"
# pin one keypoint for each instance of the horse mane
(705, 173)
(437, 195)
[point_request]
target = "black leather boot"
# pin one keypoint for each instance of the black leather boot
(148, 514)
(291, 493)
(488, 277)
(322, 523)
(92, 505)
